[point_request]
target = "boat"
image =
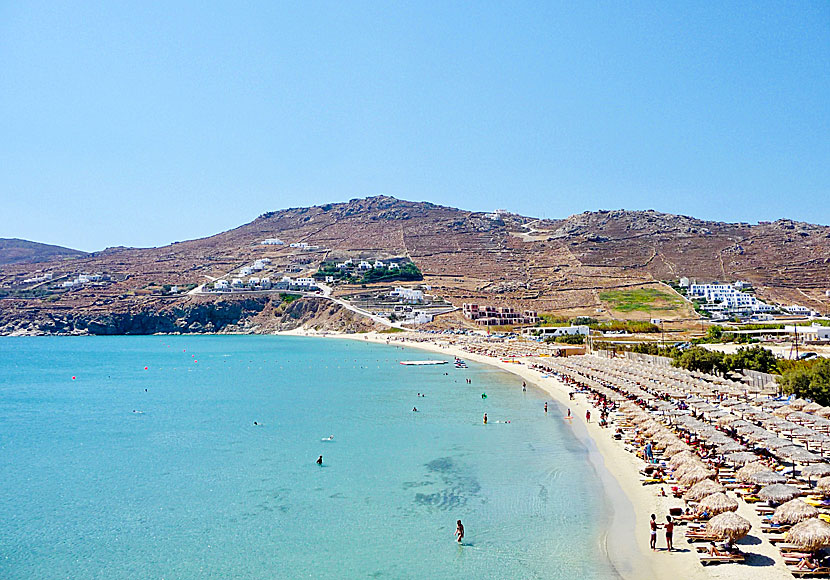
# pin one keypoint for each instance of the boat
(423, 362)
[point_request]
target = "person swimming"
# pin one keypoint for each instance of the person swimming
(414, 409)
(320, 460)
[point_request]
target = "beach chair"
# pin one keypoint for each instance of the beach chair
(817, 573)
(706, 559)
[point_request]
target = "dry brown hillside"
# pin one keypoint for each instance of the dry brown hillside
(562, 266)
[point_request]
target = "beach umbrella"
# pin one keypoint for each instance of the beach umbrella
(717, 503)
(728, 525)
(823, 485)
(793, 511)
(702, 489)
(744, 473)
(824, 412)
(694, 475)
(729, 447)
(811, 535)
(797, 454)
(741, 457)
(767, 478)
(799, 404)
(683, 457)
(779, 493)
(675, 448)
(816, 470)
(783, 411)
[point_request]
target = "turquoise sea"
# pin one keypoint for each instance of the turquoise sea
(130, 473)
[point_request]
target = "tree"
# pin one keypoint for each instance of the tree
(700, 359)
(754, 358)
(809, 381)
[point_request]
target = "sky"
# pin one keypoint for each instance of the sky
(141, 123)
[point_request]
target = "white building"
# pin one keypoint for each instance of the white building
(221, 285)
(726, 298)
(272, 242)
(378, 264)
(265, 283)
(246, 271)
(684, 282)
(797, 309)
(364, 265)
(408, 294)
(814, 332)
(395, 266)
(237, 283)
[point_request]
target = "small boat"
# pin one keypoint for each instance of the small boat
(423, 362)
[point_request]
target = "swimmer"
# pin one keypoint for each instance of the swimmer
(320, 460)
(459, 531)
(255, 423)
(414, 409)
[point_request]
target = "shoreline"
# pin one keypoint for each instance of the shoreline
(630, 504)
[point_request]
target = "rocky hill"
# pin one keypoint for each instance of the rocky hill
(569, 266)
(15, 251)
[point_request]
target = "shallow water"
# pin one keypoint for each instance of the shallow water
(188, 487)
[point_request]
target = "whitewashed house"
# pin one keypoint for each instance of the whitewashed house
(364, 265)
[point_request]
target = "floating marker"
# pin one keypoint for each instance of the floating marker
(145, 368)
(73, 378)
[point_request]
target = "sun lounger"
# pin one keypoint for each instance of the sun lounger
(817, 573)
(707, 559)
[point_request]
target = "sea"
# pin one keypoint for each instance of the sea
(178, 457)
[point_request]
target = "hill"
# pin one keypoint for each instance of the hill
(585, 264)
(16, 251)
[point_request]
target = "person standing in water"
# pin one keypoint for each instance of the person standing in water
(569, 413)
(320, 460)
(485, 418)
(546, 406)
(459, 531)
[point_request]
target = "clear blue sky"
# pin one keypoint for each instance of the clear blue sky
(139, 124)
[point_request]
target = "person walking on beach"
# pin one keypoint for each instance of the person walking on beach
(649, 453)
(653, 539)
(669, 530)
(459, 531)
(587, 416)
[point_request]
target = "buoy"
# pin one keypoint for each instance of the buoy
(73, 378)
(145, 368)
(483, 395)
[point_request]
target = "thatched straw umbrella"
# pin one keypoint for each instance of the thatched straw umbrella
(799, 404)
(729, 447)
(717, 503)
(702, 489)
(694, 475)
(793, 511)
(767, 478)
(812, 534)
(683, 457)
(816, 470)
(728, 525)
(750, 468)
(779, 493)
(823, 485)
(741, 457)
(675, 448)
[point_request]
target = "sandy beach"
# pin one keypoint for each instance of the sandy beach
(633, 503)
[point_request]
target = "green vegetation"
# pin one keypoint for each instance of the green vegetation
(547, 319)
(568, 339)
(808, 379)
(625, 326)
(697, 358)
(289, 298)
(391, 330)
(407, 271)
(640, 299)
